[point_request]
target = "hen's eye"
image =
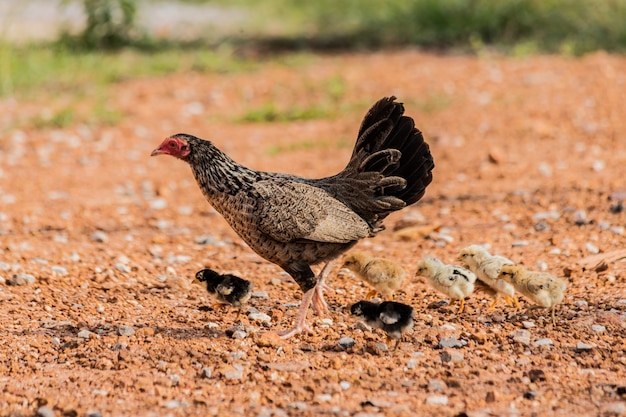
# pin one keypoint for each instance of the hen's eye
(184, 147)
(172, 145)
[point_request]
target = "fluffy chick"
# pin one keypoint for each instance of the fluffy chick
(454, 281)
(227, 288)
(392, 317)
(542, 288)
(383, 275)
(487, 268)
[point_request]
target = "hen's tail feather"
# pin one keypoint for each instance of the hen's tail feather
(389, 144)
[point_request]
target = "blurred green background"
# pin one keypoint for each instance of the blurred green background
(79, 39)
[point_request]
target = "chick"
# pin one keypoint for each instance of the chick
(487, 267)
(392, 317)
(227, 288)
(542, 288)
(454, 281)
(383, 275)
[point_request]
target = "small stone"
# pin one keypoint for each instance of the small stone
(411, 364)
(580, 218)
(262, 317)
(536, 375)
(583, 347)
(158, 204)
(346, 343)
(124, 330)
(232, 330)
(324, 398)
(93, 413)
(521, 336)
(238, 334)
(21, 279)
(84, 334)
(344, 385)
(205, 240)
(519, 243)
(45, 412)
(437, 400)
(581, 303)
(175, 379)
(598, 328)
(451, 342)
(206, 372)
(490, 397)
(528, 324)
(614, 409)
(260, 294)
(232, 372)
(99, 236)
(591, 248)
(437, 385)
(145, 331)
(530, 395)
(122, 267)
(543, 342)
(276, 281)
(268, 339)
(172, 404)
(59, 270)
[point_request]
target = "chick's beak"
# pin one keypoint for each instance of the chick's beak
(195, 280)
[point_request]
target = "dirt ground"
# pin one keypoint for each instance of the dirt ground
(99, 243)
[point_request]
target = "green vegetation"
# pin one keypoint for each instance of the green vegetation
(563, 26)
(270, 113)
(308, 145)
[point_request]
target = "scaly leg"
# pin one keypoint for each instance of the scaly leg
(301, 324)
(319, 304)
(493, 303)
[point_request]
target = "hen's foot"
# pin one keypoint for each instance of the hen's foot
(301, 324)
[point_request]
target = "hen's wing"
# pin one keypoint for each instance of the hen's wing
(288, 210)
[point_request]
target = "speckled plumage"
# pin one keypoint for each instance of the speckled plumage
(227, 288)
(297, 222)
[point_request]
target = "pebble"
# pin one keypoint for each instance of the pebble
(93, 413)
(346, 342)
(581, 303)
(59, 270)
(521, 336)
(411, 364)
(262, 317)
(437, 385)
(580, 218)
(173, 404)
(545, 215)
(451, 356)
(206, 372)
(158, 204)
(21, 279)
(583, 347)
(528, 324)
(232, 372)
(205, 240)
(344, 385)
(437, 400)
(238, 334)
(451, 342)
(45, 412)
(260, 294)
(122, 267)
(598, 328)
(84, 334)
(276, 281)
(519, 243)
(269, 339)
(543, 342)
(124, 330)
(99, 236)
(591, 248)
(324, 398)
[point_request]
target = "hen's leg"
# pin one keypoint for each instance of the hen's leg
(300, 325)
(319, 304)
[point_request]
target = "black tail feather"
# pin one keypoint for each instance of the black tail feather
(385, 131)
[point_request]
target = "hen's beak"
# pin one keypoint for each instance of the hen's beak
(156, 152)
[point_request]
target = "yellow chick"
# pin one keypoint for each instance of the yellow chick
(487, 268)
(383, 275)
(454, 281)
(542, 288)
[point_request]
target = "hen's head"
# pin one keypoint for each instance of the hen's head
(177, 146)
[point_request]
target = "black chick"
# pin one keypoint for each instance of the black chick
(227, 288)
(392, 317)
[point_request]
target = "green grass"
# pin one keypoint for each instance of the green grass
(309, 145)
(35, 67)
(561, 26)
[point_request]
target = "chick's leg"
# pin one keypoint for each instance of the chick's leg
(370, 295)
(461, 305)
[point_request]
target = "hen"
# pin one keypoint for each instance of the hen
(297, 222)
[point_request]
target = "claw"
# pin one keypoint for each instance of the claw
(370, 294)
